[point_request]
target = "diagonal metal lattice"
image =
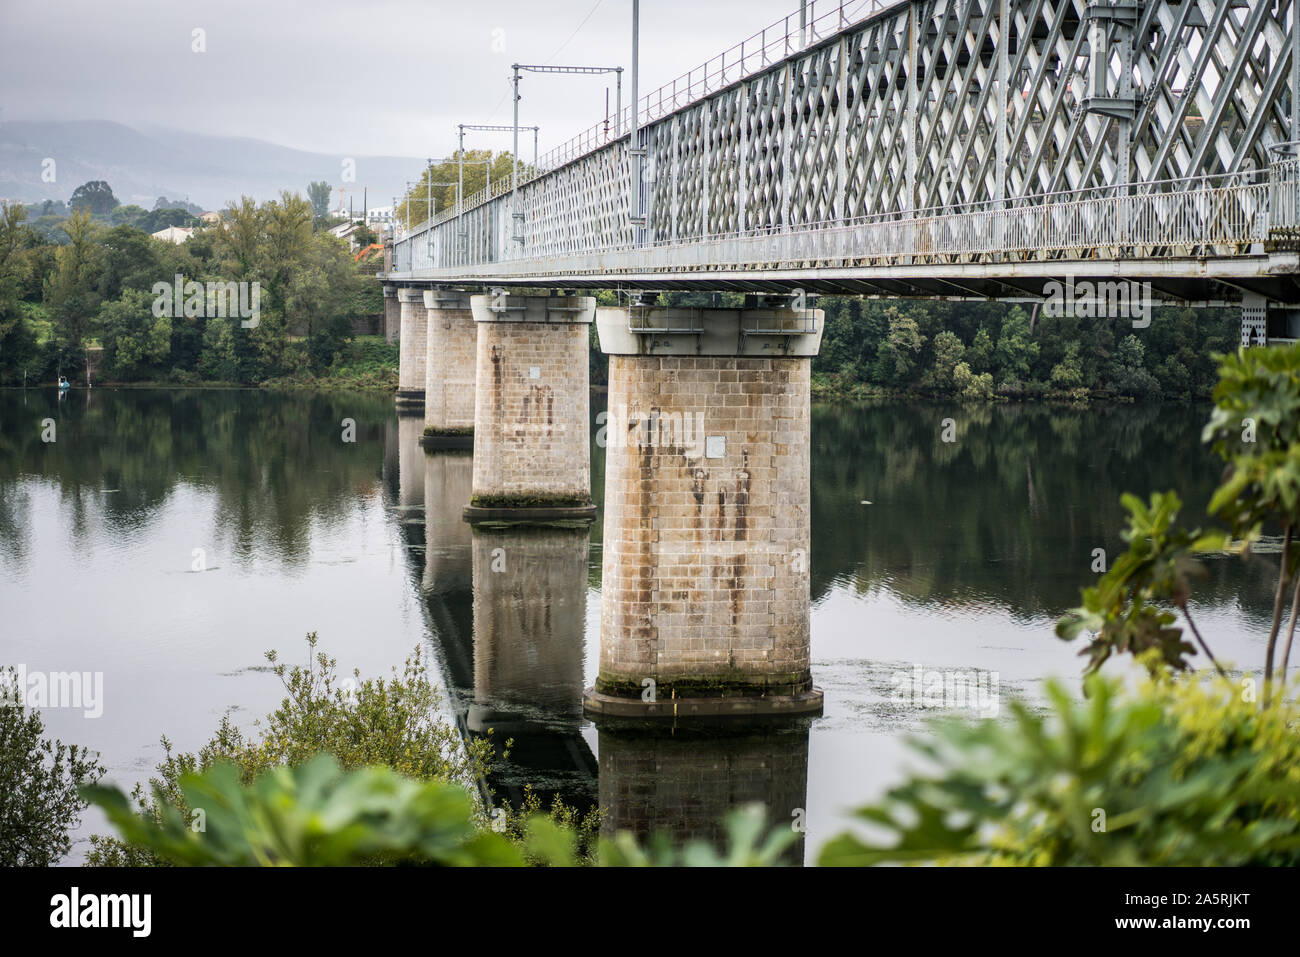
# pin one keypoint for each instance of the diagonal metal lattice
(935, 105)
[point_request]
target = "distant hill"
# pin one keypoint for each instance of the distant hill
(143, 164)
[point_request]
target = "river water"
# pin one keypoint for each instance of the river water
(167, 539)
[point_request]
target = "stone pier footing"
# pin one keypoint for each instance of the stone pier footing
(449, 380)
(532, 457)
(413, 348)
(705, 594)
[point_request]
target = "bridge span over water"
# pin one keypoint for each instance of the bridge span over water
(932, 148)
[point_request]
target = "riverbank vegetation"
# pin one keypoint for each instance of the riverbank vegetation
(981, 351)
(40, 782)
(86, 295)
(984, 351)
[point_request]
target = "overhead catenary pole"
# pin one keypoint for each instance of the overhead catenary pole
(487, 164)
(540, 68)
(515, 214)
(634, 144)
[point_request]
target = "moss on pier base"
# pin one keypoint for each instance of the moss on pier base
(725, 685)
(530, 500)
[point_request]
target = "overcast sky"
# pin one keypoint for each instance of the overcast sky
(350, 77)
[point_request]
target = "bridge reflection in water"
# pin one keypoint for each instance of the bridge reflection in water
(506, 608)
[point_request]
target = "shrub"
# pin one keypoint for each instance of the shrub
(392, 723)
(1184, 772)
(39, 778)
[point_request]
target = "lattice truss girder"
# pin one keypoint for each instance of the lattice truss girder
(932, 103)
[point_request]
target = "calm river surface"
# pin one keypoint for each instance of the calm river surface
(951, 558)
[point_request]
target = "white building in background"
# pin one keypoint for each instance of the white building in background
(379, 216)
(374, 216)
(174, 234)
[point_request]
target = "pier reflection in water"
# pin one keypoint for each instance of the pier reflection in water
(685, 783)
(507, 609)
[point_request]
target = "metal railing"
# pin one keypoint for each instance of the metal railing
(1284, 187)
(1225, 215)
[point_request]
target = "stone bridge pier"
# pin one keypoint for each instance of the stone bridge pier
(392, 315)
(412, 347)
(705, 594)
(532, 455)
(450, 361)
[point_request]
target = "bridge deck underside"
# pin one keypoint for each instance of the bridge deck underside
(1185, 280)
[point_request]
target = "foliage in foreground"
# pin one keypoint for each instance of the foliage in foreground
(1183, 773)
(1255, 429)
(1125, 609)
(318, 815)
(393, 723)
(39, 781)
(313, 815)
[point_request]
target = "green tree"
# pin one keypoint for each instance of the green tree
(948, 353)
(318, 194)
(971, 387)
(390, 722)
(980, 354)
(96, 197)
(1127, 369)
(17, 344)
(1016, 350)
(39, 781)
(1255, 429)
(1068, 373)
(69, 292)
(1128, 608)
(136, 342)
(315, 815)
(130, 215)
(414, 207)
(896, 357)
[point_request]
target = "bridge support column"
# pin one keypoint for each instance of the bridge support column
(392, 314)
(532, 458)
(705, 596)
(413, 346)
(450, 362)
